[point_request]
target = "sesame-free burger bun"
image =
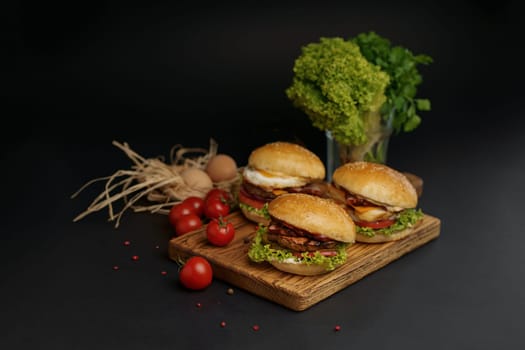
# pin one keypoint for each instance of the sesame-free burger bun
(290, 159)
(376, 182)
(298, 268)
(315, 215)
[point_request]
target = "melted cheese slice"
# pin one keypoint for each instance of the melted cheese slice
(368, 213)
(279, 192)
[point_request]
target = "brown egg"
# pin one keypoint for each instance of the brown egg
(221, 167)
(197, 179)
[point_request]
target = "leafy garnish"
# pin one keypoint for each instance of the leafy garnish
(259, 252)
(407, 218)
(343, 85)
(261, 212)
(336, 86)
(401, 65)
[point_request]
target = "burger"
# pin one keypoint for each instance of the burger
(381, 201)
(274, 169)
(307, 235)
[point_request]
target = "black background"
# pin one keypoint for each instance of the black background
(78, 75)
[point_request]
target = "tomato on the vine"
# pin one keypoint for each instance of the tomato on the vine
(196, 203)
(179, 210)
(220, 232)
(215, 208)
(187, 223)
(196, 273)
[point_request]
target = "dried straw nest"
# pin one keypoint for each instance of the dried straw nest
(152, 184)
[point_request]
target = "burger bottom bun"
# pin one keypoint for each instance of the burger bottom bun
(299, 269)
(253, 216)
(380, 238)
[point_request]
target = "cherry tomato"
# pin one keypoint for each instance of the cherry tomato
(220, 232)
(197, 203)
(187, 223)
(375, 224)
(196, 273)
(216, 208)
(218, 193)
(179, 210)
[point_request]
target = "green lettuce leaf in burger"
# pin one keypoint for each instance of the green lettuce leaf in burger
(306, 235)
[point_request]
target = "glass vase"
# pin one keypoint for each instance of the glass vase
(378, 129)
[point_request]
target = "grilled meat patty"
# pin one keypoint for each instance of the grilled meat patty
(315, 188)
(299, 240)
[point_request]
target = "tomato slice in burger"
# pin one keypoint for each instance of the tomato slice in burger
(375, 224)
(244, 198)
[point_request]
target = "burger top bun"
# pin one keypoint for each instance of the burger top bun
(315, 215)
(287, 159)
(377, 182)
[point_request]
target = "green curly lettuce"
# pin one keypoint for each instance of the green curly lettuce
(260, 252)
(402, 67)
(336, 86)
(261, 212)
(407, 218)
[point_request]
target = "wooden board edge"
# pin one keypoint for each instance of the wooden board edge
(300, 302)
(373, 263)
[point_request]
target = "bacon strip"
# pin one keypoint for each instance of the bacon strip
(299, 240)
(317, 188)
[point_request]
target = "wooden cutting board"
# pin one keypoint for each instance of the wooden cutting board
(231, 263)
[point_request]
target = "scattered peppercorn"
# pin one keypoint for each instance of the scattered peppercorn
(126, 243)
(115, 267)
(163, 273)
(198, 305)
(135, 257)
(337, 328)
(223, 324)
(230, 291)
(255, 327)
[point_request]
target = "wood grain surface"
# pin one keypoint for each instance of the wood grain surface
(231, 263)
